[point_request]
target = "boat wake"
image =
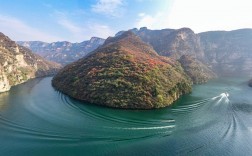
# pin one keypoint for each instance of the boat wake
(198, 124)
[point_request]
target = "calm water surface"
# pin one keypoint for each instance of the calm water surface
(216, 119)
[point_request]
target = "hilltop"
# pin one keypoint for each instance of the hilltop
(124, 73)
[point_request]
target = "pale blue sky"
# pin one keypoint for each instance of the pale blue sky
(78, 20)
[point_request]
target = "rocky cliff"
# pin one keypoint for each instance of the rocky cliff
(63, 52)
(124, 73)
(229, 52)
(18, 64)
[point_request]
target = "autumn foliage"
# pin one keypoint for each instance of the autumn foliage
(124, 73)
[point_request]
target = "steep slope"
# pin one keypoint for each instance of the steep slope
(63, 52)
(170, 42)
(196, 70)
(124, 73)
(18, 64)
(229, 52)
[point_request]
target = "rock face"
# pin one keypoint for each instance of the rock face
(18, 64)
(229, 52)
(124, 73)
(63, 52)
(196, 70)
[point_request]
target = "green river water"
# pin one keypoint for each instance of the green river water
(215, 119)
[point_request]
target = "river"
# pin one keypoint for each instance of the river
(215, 119)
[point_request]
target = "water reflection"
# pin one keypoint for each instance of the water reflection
(4, 99)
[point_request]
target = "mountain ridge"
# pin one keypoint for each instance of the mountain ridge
(224, 52)
(63, 52)
(175, 43)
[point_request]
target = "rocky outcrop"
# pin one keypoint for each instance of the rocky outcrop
(124, 73)
(4, 83)
(63, 52)
(18, 64)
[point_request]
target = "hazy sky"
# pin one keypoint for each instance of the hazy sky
(79, 20)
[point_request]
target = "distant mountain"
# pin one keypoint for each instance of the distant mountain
(229, 52)
(124, 73)
(18, 64)
(63, 52)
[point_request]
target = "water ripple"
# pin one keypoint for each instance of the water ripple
(217, 122)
